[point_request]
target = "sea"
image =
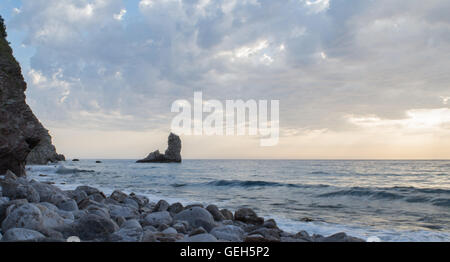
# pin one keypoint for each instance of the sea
(377, 200)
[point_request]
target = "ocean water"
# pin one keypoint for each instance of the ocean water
(376, 200)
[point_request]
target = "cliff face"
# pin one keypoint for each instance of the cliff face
(20, 131)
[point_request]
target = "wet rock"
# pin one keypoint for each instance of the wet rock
(214, 210)
(18, 188)
(270, 223)
(196, 217)
(22, 234)
(158, 218)
(247, 215)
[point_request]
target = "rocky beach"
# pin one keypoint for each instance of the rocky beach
(41, 212)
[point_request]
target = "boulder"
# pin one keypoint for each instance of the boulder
(22, 234)
(18, 188)
(175, 208)
(50, 218)
(339, 237)
(118, 196)
(158, 218)
(48, 193)
(229, 233)
(68, 205)
(214, 210)
(94, 227)
(200, 238)
(130, 231)
(172, 154)
(162, 205)
(24, 216)
(196, 217)
(123, 211)
(249, 216)
(227, 214)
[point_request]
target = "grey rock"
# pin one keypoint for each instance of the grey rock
(214, 210)
(196, 217)
(50, 218)
(247, 215)
(130, 231)
(140, 200)
(77, 195)
(22, 234)
(170, 230)
(24, 216)
(175, 208)
(48, 193)
(118, 196)
(88, 190)
(200, 238)
(198, 231)
(340, 237)
(132, 223)
(229, 233)
(270, 234)
(227, 214)
(180, 227)
(68, 205)
(123, 211)
(131, 202)
(18, 188)
(91, 227)
(162, 205)
(158, 218)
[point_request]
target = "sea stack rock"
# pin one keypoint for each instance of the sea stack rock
(172, 154)
(20, 130)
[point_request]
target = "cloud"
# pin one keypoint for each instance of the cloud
(323, 59)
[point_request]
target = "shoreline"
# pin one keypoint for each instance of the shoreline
(53, 214)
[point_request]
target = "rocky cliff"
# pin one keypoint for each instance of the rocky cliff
(20, 130)
(172, 154)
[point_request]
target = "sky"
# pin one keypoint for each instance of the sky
(355, 79)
